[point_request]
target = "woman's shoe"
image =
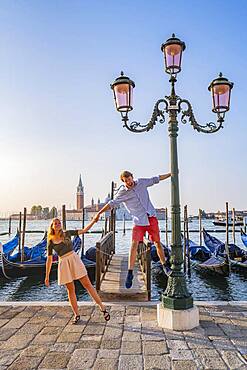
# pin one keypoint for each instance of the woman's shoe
(76, 319)
(106, 315)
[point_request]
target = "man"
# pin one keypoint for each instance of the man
(134, 195)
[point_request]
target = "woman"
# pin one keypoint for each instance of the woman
(70, 266)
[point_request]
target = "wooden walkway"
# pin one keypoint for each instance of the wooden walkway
(111, 272)
(113, 284)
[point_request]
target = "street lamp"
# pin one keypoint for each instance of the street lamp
(176, 310)
(172, 50)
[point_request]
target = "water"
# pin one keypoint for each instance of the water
(202, 286)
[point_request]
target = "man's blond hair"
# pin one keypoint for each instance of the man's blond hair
(125, 174)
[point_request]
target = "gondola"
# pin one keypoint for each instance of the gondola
(36, 266)
(31, 253)
(244, 238)
(154, 254)
(216, 263)
(10, 246)
(205, 259)
(212, 243)
(239, 263)
(237, 255)
(234, 250)
(197, 252)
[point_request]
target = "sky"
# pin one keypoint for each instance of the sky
(57, 116)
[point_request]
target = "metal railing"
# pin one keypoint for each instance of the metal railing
(104, 252)
(144, 257)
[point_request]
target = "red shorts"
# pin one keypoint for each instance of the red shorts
(138, 232)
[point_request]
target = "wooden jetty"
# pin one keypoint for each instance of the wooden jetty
(111, 271)
(112, 287)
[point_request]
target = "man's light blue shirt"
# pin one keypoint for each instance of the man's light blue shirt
(136, 200)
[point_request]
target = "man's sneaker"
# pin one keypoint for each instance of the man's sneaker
(167, 270)
(128, 281)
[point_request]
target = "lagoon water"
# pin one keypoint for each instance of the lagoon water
(203, 286)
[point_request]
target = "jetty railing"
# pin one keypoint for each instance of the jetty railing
(104, 252)
(144, 257)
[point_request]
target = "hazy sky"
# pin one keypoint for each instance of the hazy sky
(57, 117)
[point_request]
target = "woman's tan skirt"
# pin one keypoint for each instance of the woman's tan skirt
(70, 268)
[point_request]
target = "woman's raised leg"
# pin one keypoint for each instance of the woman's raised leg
(86, 283)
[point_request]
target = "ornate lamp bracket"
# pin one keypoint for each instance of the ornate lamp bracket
(188, 116)
(158, 115)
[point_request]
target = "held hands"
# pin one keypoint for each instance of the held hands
(86, 228)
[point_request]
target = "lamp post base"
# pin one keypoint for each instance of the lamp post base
(177, 319)
(177, 303)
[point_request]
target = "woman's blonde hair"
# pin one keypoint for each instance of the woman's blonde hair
(51, 230)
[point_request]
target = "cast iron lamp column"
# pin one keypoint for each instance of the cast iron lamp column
(176, 295)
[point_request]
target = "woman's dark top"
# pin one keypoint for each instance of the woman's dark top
(64, 246)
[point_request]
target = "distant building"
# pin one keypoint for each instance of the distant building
(89, 211)
(80, 196)
(76, 214)
(221, 215)
(73, 215)
(30, 217)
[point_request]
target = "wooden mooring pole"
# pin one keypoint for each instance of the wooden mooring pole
(106, 222)
(23, 233)
(112, 211)
(188, 243)
(124, 231)
(233, 226)
(9, 225)
(185, 242)
(98, 266)
(113, 217)
(114, 231)
(19, 229)
(227, 236)
(166, 222)
(200, 227)
(64, 217)
(82, 237)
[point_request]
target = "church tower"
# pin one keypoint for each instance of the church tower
(80, 196)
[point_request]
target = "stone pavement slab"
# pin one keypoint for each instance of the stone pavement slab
(42, 337)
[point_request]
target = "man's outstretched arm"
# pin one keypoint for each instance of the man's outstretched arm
(164, 177)
(122, 196)
(155, 180)
(104, 209)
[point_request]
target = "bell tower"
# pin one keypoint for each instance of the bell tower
(80, 196)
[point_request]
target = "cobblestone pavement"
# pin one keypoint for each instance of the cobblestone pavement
(42, 337)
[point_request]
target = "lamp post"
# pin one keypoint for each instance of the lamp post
(177, 310)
